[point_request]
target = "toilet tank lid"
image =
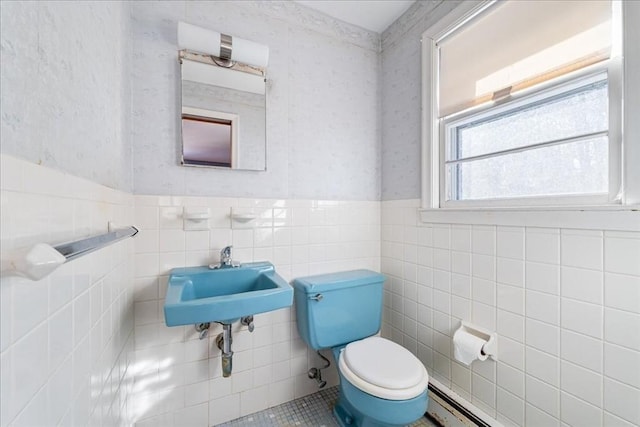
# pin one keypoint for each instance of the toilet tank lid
(331, 281)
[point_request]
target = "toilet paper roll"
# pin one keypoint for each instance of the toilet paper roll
(467, 347)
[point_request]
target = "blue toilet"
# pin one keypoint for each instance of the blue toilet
(381, 382)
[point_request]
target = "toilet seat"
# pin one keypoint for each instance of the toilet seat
(383, 369)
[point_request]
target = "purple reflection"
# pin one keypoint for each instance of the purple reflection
(206, 141)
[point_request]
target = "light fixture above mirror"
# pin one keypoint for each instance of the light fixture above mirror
(225, 49)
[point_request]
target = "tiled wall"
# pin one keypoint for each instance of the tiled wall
(65, 104)
(178, 377)
(565, 303)
(65, 339)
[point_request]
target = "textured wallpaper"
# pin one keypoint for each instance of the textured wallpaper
(401, 105)
(65, 87)
(322, 103)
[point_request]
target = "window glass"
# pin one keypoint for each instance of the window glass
(578, 112)
(556, 145)
(573, 168)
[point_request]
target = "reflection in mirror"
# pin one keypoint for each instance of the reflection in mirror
(209, 138)
(223, 114)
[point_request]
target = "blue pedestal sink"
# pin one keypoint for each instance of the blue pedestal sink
(200, 294)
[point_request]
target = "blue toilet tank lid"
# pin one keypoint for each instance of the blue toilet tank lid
(331, 281)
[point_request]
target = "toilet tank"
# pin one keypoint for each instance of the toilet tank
(338, 308)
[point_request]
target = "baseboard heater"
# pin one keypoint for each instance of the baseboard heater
(461, 414)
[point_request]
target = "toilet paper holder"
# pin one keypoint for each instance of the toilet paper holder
(490, 348)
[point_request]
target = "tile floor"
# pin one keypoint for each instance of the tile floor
(314, 410)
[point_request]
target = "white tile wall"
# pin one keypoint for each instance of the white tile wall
(568, 324)
(66, 339)
(565, 303)
(178, 376)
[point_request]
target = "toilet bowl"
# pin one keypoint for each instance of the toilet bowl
(381, 383)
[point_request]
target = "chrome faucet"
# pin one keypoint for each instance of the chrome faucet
(225, 257)
(226, 260)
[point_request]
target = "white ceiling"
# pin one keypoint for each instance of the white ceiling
(374, 15)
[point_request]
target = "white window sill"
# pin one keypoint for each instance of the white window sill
(621, 218)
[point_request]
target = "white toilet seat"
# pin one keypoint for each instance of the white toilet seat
(383, 369)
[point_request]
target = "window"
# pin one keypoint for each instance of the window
(555, 143)
(525, 106)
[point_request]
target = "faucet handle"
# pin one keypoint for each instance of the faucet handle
(247, 321)
(225, 255)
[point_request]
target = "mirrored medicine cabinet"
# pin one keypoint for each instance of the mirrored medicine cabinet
(223, 114)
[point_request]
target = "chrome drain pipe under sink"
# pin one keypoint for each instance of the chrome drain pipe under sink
(224, 341)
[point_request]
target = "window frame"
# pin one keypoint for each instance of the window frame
(624, 192)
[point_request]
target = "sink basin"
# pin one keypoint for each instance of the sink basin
(200, 294)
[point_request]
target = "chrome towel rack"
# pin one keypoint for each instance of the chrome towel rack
(82, 247)
(41, 259)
